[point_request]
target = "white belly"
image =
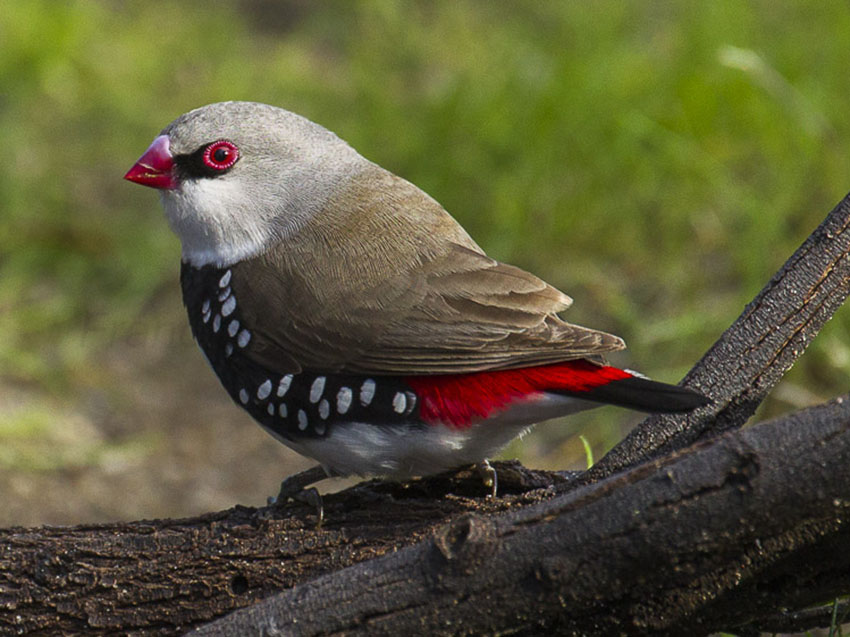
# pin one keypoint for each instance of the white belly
(365, 449)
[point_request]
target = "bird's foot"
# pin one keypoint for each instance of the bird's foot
(313, 498)
(298, 488)
(488, 476)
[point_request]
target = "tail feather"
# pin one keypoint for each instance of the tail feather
(643, 394)
(462, 399)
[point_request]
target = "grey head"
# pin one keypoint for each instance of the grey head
(276, 173)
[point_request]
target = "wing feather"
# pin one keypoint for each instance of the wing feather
(390, 284)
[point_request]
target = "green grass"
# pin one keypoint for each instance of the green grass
(658, 161)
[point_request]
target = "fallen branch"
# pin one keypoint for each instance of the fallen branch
(756, 351)
(723, 534)
(165, 576)
(683, 546)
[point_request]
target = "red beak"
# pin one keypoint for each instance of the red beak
(155, 167)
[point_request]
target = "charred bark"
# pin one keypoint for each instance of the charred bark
(752, 355)
(713, 538)
(736, 532)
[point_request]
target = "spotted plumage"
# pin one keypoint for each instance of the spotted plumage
(350, 314)
(291, 404)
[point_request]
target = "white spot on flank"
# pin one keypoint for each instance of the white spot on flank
(233, 327)
(320, 428)
(282, 410)
(302, 419)
(229, 306)
(284, 384)
(205, 308)
(228, 349)
(399, 403)
(225, 280)
(367, 392)
(264, 390)
(324, 409)
(343, 399)
(206, 317)
(317, 388)
(244, 338)
(243, 396)
(369, 448)
(223, 295)
(217, 323)
(270, 409)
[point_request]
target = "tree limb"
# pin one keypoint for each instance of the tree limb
(683, 545)
(164, 576)
(723, 534)
(806, 619)
(756, 351)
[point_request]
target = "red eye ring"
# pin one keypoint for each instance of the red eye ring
(220, 155)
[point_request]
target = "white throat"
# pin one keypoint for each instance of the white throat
(224, 220)
(210, 218)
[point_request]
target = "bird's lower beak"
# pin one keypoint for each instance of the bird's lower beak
(155, 167)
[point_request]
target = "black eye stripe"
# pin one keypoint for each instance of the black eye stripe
(192, 165)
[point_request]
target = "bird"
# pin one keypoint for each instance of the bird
(350, 314)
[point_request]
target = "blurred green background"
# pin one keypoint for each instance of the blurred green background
(657, 161)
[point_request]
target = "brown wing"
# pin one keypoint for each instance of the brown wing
(388, 283)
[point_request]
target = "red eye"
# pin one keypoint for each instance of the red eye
(221, 155)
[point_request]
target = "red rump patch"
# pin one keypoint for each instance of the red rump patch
(462, 399)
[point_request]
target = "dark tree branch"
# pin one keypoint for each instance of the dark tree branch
(709, 539)
(756, 351)
(723, 534)
(806, 619)
(164, 576)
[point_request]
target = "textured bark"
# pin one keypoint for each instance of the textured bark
(709, 539)
(164, 576)
(737, 532)
(752, 355)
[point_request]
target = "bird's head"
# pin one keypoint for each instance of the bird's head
(236, 177)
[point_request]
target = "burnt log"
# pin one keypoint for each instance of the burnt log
(688, 526)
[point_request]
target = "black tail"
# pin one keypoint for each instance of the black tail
(643, 394)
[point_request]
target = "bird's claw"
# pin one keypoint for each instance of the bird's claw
(312, 497)
(298, 488)
(489, 477)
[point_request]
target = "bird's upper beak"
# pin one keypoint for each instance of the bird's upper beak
(155, 168)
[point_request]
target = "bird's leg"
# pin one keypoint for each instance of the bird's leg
(312, 497)
(294, 484)
(297, 487)
(488, 475)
